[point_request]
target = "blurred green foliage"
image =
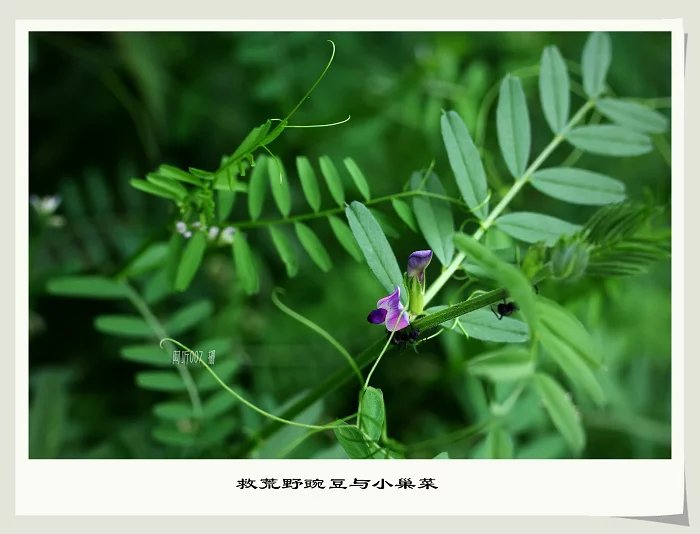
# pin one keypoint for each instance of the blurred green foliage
(108, 107)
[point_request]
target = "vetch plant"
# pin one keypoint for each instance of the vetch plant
(485, 249)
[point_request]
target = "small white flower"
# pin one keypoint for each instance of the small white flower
(181, 227)
(45, 205)
(187, 234)
(213, 232)
(227, 234)
(196, 224)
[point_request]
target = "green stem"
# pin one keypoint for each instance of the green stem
(441, 280)
(334, 211)
(457, 310)
(159, 331)
(311, 89)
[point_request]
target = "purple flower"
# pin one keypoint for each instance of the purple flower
(390, 311)
(417, 262)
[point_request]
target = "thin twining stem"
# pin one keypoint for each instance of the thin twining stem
(294, 444)
(334, 211)
(246, 402)
(386, 346)
(319, 391)
(159, 332)
(320, 331)
(441, 280)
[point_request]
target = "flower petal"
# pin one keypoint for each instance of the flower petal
(377, 316)
(396, 317)
(396, 320)
(390, 302)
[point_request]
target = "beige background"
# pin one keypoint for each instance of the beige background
(357, 9)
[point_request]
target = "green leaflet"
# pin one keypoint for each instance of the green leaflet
(356, 443)
(513, 125)
(245, 265)
(565, 354)
(403, 210)
(160, 381)
(566, 324)
(335, 184)
(483, 324)
(170, 435)
(546, 447)
(503, 365)
(609, 140)
(561, 410)
(579, 186)
(279, 185)
(173, 410)
(147, 354)
(375, 247)
(148, 187)
(554, 88)
(257, 188)
(224, 203)
(386, 224)
(49, 412)
(168, 184)
(533, 227)
(358, 178)
(309, 183)
(188, 317)
(499, 444)
(632, 115)
(123, 325)
(190, 260)
(434, 218)
(372, 412)
(170, 171)
(313, 246)
(465, 162)
(251, 141)
(345, 238)
(285, 250)
(92, 287)
(595, 62)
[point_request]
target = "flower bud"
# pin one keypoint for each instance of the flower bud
(418, 261)
(569, 259)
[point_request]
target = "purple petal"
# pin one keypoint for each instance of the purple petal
(396, 320)
(377, 316)
(391, 302)
(396, 317)
(417, 262)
